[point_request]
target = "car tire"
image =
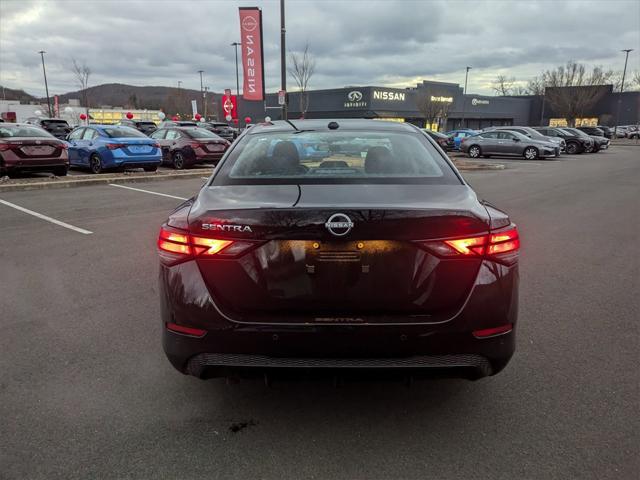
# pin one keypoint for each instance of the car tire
(474, 151)
(95, 163)
(60, 171)
(572, 148)
(151, 168)
(530, 153)
(178, 160)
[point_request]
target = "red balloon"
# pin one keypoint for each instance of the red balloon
(198, 116)
(247, 119)
(129, 115)
(83, 116)
(235, 120)
(174, 118)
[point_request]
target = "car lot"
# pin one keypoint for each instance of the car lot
(87, 393)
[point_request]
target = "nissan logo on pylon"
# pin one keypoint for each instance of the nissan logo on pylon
(249, 24)
(354, 96)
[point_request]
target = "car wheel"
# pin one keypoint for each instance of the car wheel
(95, 163)
(571, 148)
(151, 168)
(530, 153)
(178, 160)
(474, 151)
(60, 171)
(588, 149)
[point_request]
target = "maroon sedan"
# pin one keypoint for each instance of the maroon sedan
(28, 148)
(185, 146)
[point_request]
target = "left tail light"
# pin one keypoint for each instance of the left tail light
(115, 146)
(175, 246)
(501, 245)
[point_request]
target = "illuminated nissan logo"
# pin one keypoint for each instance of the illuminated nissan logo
(339, 224)
(354, 96)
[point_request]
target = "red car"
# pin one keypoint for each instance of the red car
(27, 148)
(185, 146)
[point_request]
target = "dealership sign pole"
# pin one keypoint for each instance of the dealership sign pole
(252, 55)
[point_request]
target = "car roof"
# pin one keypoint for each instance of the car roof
(323, 125)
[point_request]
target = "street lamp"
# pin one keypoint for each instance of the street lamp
(283, 59)
(201, 88)
(464, 97)
(237, 44)
(46, 86)
(624, 72)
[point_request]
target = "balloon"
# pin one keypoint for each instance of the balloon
(228, 118)
(174, 118)
(235, 120)
(37, 113)
(203, 119)
(83, 116)
(68, 110)
(129, 115)
(247, 119)
(198, 116)
(267, 119)
(161, 115)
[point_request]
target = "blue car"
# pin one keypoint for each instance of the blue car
(103, 147)
(459, 135)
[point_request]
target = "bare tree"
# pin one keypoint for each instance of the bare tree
(571, 90)
(302, 67)
(503, 86)
(635, 80)
(432, 107)
(535, 86)
(82, 73)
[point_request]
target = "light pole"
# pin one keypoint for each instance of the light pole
(464, 95)
(204, 96)
(283, 59)
(46, 86)
(624, 72)
(201, 88)
(237, 44)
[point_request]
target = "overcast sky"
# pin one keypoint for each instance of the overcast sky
(355, 42)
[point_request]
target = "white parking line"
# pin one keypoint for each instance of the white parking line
(45, 218)
(147, 191)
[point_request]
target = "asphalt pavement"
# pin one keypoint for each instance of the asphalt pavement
(85, 390)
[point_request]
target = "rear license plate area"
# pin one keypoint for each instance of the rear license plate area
(38, 150)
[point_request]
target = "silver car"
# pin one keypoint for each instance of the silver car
(506, 142)
(534, 134)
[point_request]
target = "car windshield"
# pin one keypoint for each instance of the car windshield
(57, 123)
(122, 132)
(575, 131)
(335, 157)
(201, 133)
(22, 131)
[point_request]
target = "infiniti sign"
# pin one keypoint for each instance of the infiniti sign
(339, 224)
(354, 96)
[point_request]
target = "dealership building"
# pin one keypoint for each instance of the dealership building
(453, 109)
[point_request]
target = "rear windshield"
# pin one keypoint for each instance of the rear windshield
(201, 133)
(55, 123)
(335, 157)
(122, 132)
(23, 131)
(146, 124)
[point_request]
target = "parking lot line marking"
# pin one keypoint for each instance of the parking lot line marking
(45, 218)
(147, 191)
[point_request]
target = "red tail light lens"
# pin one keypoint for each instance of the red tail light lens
(4, 146)
(492, 332)
(468, 246)
(197, 145)
(115, 146)
(175, 245)
(184, 330)
(64, 146)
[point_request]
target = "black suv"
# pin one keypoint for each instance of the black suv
(595, 131)
(221, 129)
(145, 126)
(55, 126)
(575, 143)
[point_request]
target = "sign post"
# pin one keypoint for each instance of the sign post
(282, 95)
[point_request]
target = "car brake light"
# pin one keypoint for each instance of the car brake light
(492, 332)
(64, 146)
(500, 245)
(197, 145)
(4, 146)
(183, 329)
(115, 146)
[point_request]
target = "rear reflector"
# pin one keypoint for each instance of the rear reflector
(184, 330)
(492, 332)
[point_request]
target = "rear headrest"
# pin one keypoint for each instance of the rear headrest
(287, 150)
(378, 160)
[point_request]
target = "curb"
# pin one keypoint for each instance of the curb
(480, 166)
(102, 180)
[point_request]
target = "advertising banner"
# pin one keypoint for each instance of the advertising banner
(56, 106)
(194, 107)
(252, 56)
(230, 105)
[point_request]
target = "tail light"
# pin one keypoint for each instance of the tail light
(197, 145)
(156, 145)
(115, 146)
(5, 146)
(492, 332)
(176, 246)
(502, 245)
(64, 146)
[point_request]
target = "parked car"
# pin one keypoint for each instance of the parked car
(25, 147)
(55, 126)
(145, 126)
(633, 134)
(533, 134)
(599, 142)
(104, 147)
(506, 142)
(593, 131)
(387, 263)
(221, 129)
(177, 123)
(183, 147)
(575, 144)
(459, 135)
(446, 142)
(608, 131)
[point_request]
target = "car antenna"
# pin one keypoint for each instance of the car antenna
(291, 123)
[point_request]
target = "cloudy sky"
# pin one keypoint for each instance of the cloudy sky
(355, 42)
